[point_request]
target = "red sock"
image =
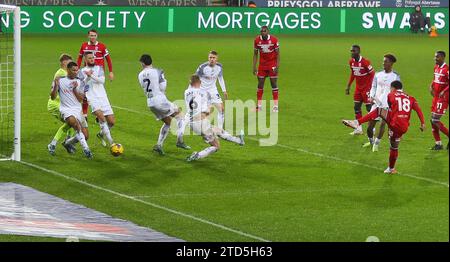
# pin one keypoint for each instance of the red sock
(358, 115)
(275, 95)
(85, 106)
(370, 116)
(259, 95)
(443, 128)
(393, 155)
(435, 130)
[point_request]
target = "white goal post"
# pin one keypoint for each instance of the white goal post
(10, 83)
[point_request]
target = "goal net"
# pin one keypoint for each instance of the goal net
(9, 82)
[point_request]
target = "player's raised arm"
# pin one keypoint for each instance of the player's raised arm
(55, 89)
(373, 90)
(79, 95)
(162, 81)
(100, 78)
(109, 62)
(222, 83)
(419, 112)
(80, 55)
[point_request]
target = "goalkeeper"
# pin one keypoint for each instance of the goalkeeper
(53, 107)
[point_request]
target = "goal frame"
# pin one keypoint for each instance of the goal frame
(16, 155)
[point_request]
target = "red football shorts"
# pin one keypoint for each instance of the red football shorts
(439, 105)
(262, 73)
(361, 96)
(396, 128)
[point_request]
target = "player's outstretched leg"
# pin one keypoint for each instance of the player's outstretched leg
(215, 145)
(220, 114)
(62, 131)
(376, 143)
(369, 117)
(158, 148)
(228, 137)
(358, 114)
(437, 127)
(79, 137)
(69, 144)
(105, 123)
(393, 155)
(181, 126)
(370, 133)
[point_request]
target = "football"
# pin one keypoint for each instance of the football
(116, 149)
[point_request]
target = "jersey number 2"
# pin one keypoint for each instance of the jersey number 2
(147, 89)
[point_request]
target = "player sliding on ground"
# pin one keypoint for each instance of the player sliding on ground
(197, 103)
(381, 87)
(94, 77)
(154, 84)
(209, 72)
(362, 71)
(71, 93)
(397, 117)
(53, 107)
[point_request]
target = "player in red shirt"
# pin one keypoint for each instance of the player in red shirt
(439, 91)
(268, 48)
(397, 118)
(100, 53)
(363, 72)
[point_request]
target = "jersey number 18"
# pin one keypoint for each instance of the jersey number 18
(403, 104)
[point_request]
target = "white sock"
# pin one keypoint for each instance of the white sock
(163, 134)
(106, 132)
(207, 151)
(227, 136)
(220, 119)
(181, 127)
(371, 140)
(80, 137)
(439, 143)
(72, 140)
(359, 128)
(54, 142)
(377, 141)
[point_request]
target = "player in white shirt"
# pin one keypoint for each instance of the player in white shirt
(71, 93)
(381, 87)
(94, 77)
(154, 84)
(209, 73)
(197, 104)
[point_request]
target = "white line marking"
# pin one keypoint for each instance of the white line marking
(357, 163)
(129, 110)
(329, 157)
(145, 202)
(250, 193)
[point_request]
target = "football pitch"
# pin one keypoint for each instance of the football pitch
(316, 184)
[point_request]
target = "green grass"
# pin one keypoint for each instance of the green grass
(276, 193)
